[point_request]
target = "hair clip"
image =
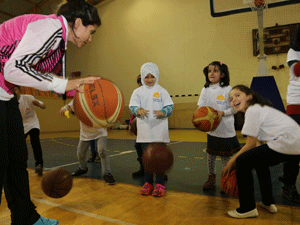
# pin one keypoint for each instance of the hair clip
(221, 63)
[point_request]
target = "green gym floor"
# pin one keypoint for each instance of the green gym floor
(188, 174)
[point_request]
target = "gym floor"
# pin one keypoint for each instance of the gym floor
(188, 174)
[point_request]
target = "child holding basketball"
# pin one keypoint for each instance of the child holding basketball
(31, 125)
(88, 134)
(222, 141)
(32, 45)
(152, 105)
(262, 124)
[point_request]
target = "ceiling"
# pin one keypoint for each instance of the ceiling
(12, 8)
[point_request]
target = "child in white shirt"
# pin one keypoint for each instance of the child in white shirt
(152, 105)
(88, 134)
(262, 124)
(222, 141)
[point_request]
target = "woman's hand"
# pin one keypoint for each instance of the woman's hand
(77, 83)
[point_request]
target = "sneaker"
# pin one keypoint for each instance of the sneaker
(45, 221)
(159, 190)
(272, 208)
(291, 193)
(97, 159)
(79, 172)
(237, 215)
(147, 189)
(139, 173)
(39, 169)
(109, 179)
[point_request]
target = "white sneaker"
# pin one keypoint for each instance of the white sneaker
(235, 214)
(272, 208)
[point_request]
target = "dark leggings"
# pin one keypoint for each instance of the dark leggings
(36, 145)
(260, 159)
(13, 164)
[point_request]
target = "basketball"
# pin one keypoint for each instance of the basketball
(133, 127)
(157, 158)
(229, 184)
(205, 119)
(57, 183)
(100, 105)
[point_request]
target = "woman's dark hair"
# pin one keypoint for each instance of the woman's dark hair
(74, 9)
(257, 98)
(224, 70)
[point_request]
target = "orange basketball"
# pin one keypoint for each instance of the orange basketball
(229, 184)
(157, 158)
(57, 183)
(100, 105)
(205, 119)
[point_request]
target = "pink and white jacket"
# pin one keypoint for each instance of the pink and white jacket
(30, 48)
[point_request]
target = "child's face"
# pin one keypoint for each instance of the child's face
(214, 74)
(150, 80)
(239, 100)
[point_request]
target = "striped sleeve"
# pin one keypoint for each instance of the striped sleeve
(40, 38)
(134, 110)
(167, 110)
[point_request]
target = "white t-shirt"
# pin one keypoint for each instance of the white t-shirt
(293, 93)
(217, 97)
(150, 129)
(30, 119)
(280, 131)
(89, 133)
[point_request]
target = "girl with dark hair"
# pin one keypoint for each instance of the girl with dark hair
(222, 141)
(31, 47)
(263, 123)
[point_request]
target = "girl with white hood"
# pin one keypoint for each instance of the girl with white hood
(152, 105)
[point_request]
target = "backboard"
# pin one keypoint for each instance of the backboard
(228, 7)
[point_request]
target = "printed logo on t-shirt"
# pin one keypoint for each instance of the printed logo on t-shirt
(221, 100)
(156, 97)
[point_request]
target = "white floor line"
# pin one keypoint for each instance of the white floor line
(81, 212)
(173, 143)
(121, 153)
(65, 165)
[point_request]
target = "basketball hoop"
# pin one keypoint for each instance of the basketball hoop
(258, 5)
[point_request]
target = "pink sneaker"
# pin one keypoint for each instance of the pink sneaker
(147, 189)
(159, 190)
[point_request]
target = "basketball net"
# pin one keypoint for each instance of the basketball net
(260, 6)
